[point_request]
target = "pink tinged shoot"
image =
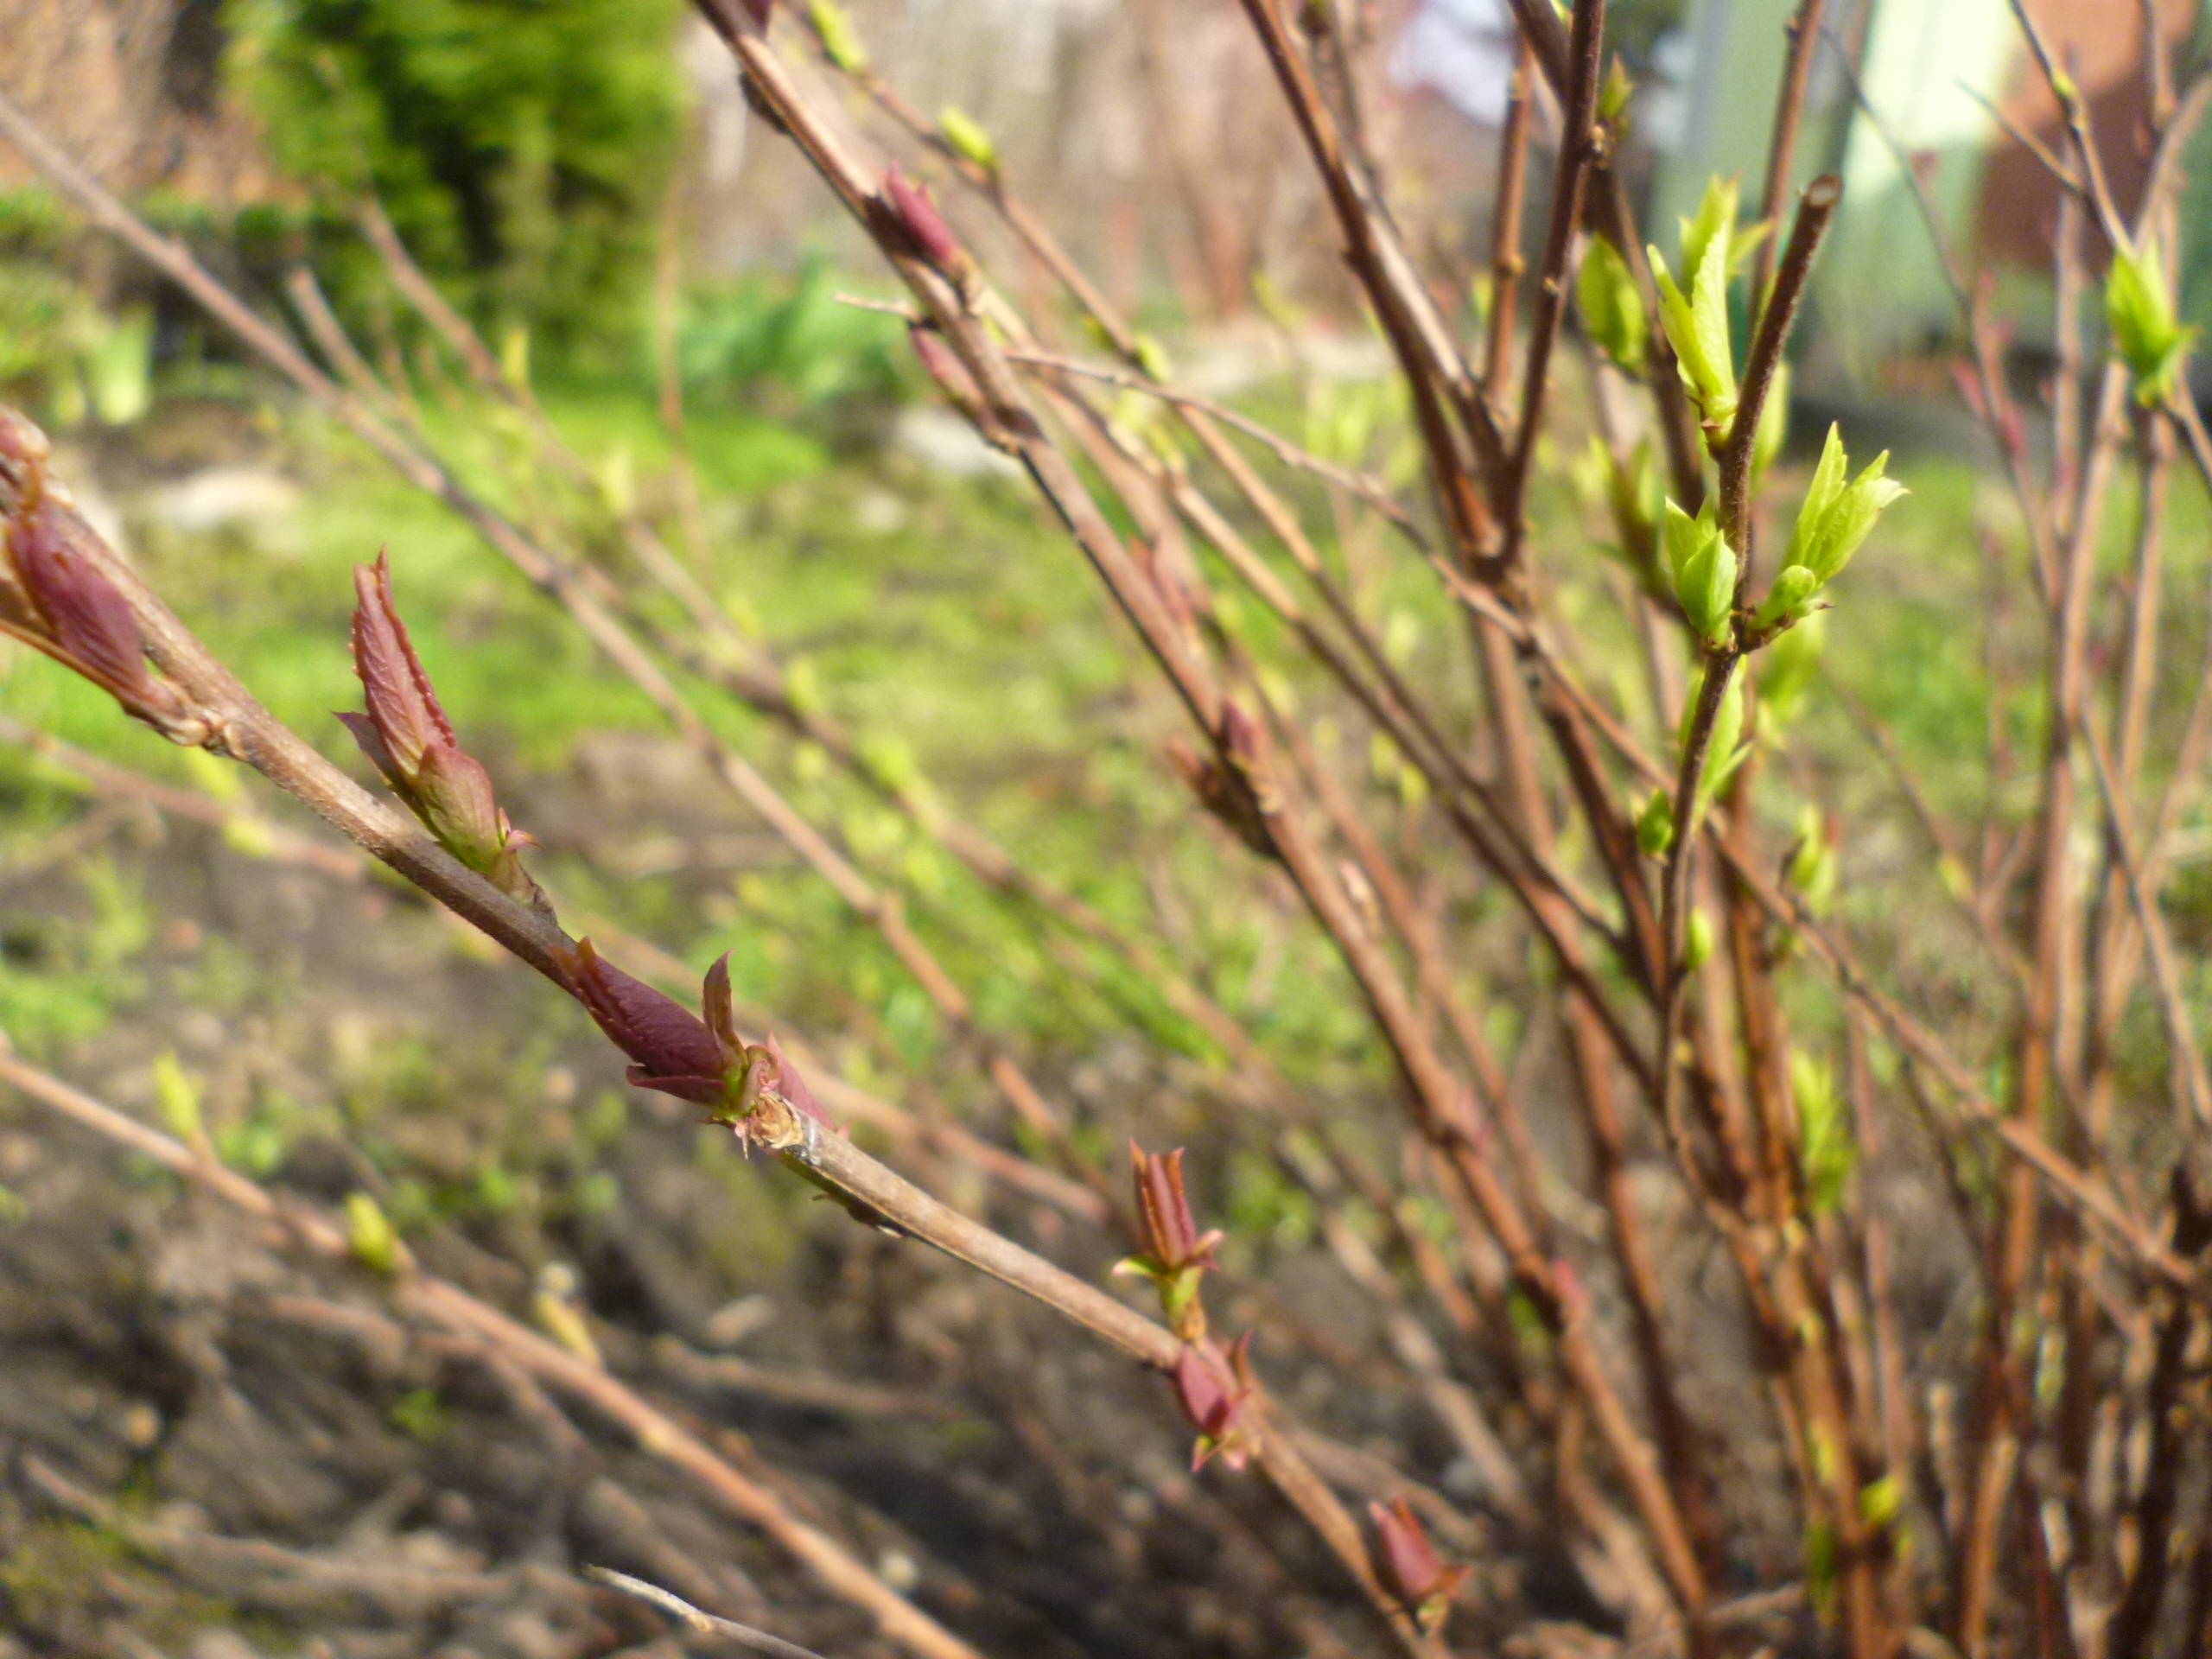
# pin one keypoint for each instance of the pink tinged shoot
(1213, 1402)
(1232, 787)
(943, 365)
(1176, 1253)
(1409, 1565)
(917, 217)
(1172, 1238)
(68, 608)
(678, 1053)
(674, 1051)
(407, 737)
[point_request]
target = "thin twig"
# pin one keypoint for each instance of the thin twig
(690, 1616)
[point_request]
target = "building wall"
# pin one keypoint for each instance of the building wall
(129, 88)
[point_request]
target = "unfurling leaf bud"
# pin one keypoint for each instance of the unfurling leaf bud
(1176, 1255)
(1813, 861)
(915, 214)
(1212, 1403)
(966, 136)
(701, 1059)
(1714, 222)
(1697, 940)
(1613, 96)
(1837, 517)
(1827, 1152)
(1703, 566)
(1171, 1239)
(1408, 1566)
(1612, 310)
(841, 43)
(53, 597)
(408, 738)
(1697, 327)
(86, 618)
(1655, 825)
(1793, 587)
(675, 1052)
(2144, 333)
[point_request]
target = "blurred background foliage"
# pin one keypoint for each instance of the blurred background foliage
(522, 151)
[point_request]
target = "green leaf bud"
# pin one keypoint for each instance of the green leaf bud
(840, 42)
(1655, 825)
(2144, 333)
(1697, 941)
(1612, 311)
(966, 136)
(1792, 588)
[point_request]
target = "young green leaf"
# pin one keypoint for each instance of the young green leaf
(369, 1237)
(1837, 517)
(840, 42)
(1697, 941)
(1655, 825)
(1696, 324)
(1612, 311)
(2146, 334)
(1703, 566)
(1715, 222)
(1813, 861)
(1613, 97)
(1827, 1153)
(1793, 587)
(966, 136)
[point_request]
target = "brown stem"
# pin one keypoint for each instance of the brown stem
(1581, 147)
(1506, 262)
(1435, 374)
(2169, 1418)
(1815, 207)
(1804, 29)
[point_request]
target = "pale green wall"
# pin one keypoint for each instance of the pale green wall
(1879, 287)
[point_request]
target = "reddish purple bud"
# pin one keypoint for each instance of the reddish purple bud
(1242, 738)
(915, 214)
(1212, 1402)
(1225, 793)
(1171, 1239)
(401, 706)
(760, 11)
(90, 621)
(1408, 1564)
(454, 793)
(943, 365)
(408, 738)
(715, 1004)
(675, 1050)
(1566, 1287)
